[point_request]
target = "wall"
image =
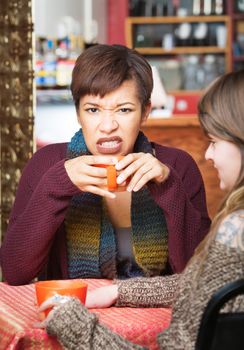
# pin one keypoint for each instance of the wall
(48, 13)
(117, 12)
(100, 14)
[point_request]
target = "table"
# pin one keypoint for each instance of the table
(18, 312)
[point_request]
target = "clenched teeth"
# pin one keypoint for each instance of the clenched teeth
(109, 143)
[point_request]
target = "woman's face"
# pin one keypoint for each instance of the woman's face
(110, 124)
(226, 157)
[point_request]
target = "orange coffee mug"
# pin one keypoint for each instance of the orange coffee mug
(112, 174)
(46, 289)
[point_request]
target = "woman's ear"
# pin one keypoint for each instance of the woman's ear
(146, 112)
(77, 109)
(78, 116)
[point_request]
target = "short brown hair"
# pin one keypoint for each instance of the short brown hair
(101, 69)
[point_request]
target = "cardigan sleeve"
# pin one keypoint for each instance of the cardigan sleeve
(157, 291)
(183, 200)
(41, 201)
(78, 329)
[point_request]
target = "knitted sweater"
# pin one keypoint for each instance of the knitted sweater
(76, 328)
(35, 241)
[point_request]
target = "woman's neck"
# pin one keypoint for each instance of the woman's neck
(119, 209)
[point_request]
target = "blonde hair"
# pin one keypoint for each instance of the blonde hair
(221, 113)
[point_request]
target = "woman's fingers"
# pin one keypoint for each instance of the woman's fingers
(94, 159)
(131, 164)
(43, 323)
(100, 192)
(88, 177)
(54, 301)
(141, 168)
(140, 179)
(39, 324)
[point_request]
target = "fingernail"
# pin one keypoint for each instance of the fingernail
(120, 179)
(114, 160)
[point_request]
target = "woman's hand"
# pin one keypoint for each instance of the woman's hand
(102, 297)
(49, 304)
(142, 168)
(83, 172)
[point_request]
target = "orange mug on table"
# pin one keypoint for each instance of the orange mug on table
(46, 289)
(112, 174)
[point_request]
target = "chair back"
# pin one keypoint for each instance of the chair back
(222, 331)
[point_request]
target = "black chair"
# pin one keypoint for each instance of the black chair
(222, 331)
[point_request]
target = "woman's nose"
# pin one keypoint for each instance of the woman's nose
(108, 124)
(209, 153)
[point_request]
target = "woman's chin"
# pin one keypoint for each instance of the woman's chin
(223, 186)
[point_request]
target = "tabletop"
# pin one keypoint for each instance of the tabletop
(18, 313)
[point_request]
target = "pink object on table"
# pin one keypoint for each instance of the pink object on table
(18, 312)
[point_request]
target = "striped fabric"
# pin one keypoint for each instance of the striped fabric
(18, 313)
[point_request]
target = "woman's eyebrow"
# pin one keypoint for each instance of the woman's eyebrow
(91, 103)
(118, 105)
(125, 103)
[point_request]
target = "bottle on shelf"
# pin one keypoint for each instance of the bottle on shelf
(39, 73)
(49, 65)
(193, 75)
(183, 34)
(210, 69)
(200, 34)
(62, 50)
(55, 59)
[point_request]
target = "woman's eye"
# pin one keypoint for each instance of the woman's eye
(125, 110)
(92, 110)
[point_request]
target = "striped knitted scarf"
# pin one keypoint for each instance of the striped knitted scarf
(91, 243)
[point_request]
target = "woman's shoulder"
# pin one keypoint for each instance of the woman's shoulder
(43, 159)
(172, 154)
(54, 150)
(179, 160)
(231, 230)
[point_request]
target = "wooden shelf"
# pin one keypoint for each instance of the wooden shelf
(181, 50)
(135, 26)
(133, 22)
(174, 19)
(175, 120)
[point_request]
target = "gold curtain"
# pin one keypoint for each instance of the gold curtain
(16, 98)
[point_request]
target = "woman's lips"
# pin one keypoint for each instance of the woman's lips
(109, 145)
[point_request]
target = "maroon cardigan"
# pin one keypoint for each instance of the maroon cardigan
(34, 243)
